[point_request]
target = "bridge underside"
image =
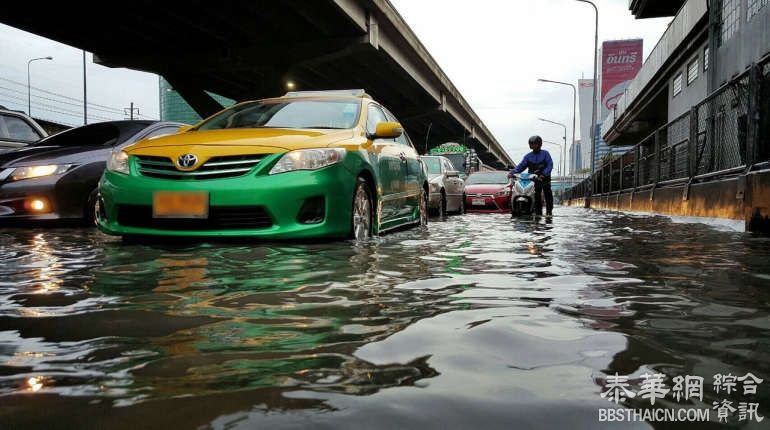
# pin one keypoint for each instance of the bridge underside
(654, 8)
(250, 50)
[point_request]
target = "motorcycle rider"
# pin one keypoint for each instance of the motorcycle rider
(539, 164)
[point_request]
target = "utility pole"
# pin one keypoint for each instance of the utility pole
(129, 111)
(565, 138)
(574, 110)
(559, 167)
(85, 92)
(29, 85)
(593, 100)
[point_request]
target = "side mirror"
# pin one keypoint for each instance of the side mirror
(452, 174)
(387, 130)
(183, 128)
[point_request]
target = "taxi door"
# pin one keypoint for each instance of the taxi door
(389, 169)
(412, 173)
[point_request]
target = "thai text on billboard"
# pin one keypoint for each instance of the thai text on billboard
(621, 61)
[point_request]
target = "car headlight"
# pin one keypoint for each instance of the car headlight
(28, 172)
(505, 192)
(118, 162)
(308, 159)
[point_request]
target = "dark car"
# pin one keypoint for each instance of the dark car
(56, 178)
(488, 192)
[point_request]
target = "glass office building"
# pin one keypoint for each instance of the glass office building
(174, 108)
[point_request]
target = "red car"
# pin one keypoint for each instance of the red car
(488, 192)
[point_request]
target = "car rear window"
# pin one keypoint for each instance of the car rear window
(433, 165)
(457, 160)
(14, 128)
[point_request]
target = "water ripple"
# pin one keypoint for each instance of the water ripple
(495, 314)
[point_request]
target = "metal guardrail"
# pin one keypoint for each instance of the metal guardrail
(721, 136)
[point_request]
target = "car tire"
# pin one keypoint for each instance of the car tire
(361, 214)
(424, 208)
(442, 205)
(89, 211)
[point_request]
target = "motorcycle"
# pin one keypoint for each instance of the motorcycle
(522, 195)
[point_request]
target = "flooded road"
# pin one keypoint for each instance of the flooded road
(477, 322)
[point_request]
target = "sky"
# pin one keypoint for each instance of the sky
(492, 50)
(61, 81)
(495, 50)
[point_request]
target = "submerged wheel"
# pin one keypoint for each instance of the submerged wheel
(361, 219)
(442, 205)
(424, 208)
(89, 211)
(461, 207)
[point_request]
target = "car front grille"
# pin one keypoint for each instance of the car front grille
(486, 207)
(220, 218)
(214, 168)
(489, 205)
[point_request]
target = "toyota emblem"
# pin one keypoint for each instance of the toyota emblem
(186, 161)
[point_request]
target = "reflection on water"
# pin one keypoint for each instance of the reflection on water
(478, 321)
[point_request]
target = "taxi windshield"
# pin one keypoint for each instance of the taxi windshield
(317, 114)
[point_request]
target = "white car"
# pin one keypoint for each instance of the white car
(446, 187)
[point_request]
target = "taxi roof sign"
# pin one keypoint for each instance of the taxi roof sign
(347, 93)
(449, 147)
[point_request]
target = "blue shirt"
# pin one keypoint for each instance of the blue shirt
(540, 163)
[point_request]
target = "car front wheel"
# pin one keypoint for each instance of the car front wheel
(89, 211)
(361, 219)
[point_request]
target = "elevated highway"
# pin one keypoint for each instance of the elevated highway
(249, 50)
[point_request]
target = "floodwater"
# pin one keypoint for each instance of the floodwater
(479, 321)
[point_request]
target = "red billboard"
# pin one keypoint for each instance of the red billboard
(621, 61)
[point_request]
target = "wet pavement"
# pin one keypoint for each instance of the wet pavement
(477, 322)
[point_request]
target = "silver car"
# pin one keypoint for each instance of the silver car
(18, 130)
(446, 187)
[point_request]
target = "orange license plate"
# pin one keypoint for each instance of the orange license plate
(180, 204)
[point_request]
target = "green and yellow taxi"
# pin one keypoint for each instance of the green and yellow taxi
(326, 164)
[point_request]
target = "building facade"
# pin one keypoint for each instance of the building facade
(708, 44)
(585, 93)
(174, 108)
(697, 117)
(621, 62)
(575, 157)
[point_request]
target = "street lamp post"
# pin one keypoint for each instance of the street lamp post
(565, 132)
(593, 100)
(560, 146)
(29, 87)
(85, 91)
(574, 108)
